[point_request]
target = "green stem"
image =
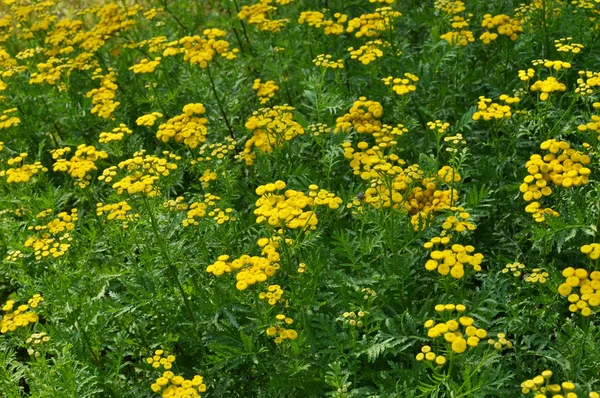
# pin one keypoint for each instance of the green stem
(167, 258)
(214, 89)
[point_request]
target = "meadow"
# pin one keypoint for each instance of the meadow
(299, 198)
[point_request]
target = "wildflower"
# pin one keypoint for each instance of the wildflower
(438, 126)
(540, 385)
(280, 332)
(265, 91)
(145, 66)
(116, 134)
(368, 52)
(330, 26)
(489, 110)
(459, 37)
(502, 343)
(161, 359)
(589, 290)
(504, 26)
(7, 121)
(149, 119)
(251, 269)
(20, 172)
(326, 61)
(258, 14)
(563, 167)
(103, 97)
(450, 7)
(187, 127)
(12, 319)
(143, 171)
(271, 128)
(402, 86)
(81, 164)
(52, 242)
(202, 50)
(120, 212)
(456, 339)
(370, 25)
(289, 208)
(566, 45)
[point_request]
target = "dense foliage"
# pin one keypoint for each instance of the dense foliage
(289, 198)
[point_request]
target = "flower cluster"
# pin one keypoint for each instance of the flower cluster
(271, 128)
(149, 119)
(161, 358)
(502, 343)
(537, 275)
(13, 255)
(460, 223)
(188, 127)
(143, 172)
(392, 185)
(206, 208)
(364, 117)
(451, 260)
(515, 268)
(455, 141)
(319, 129)
(55, 234)
(7, 121)
(587, 82)
(273, 295)
(589, 289)
(265, 91)
(103, 98)
(563, 166)
(547, 86)
(460, 36)
(220, 150)
(504, 26)
(456, 340)
(428, 355)
(280, 331)
(176, 204)
(488, 110)
(592, 250)
(593, 125)
(116, 134)
(354, 319)
(438, 126)
(120, 212)
(326, 61)
(368, 52)
(289, 208)
(330, 26)
(20, 171)
(541, 387)
(565, 45)
(258, 14)
(145, 66)
(35, 341)
(252, 269)
(371, 25)
(450, 7)
(178, 386)
(202, 50)
(21, 316)
(81, 164)
(402, 86)
(552, 66)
